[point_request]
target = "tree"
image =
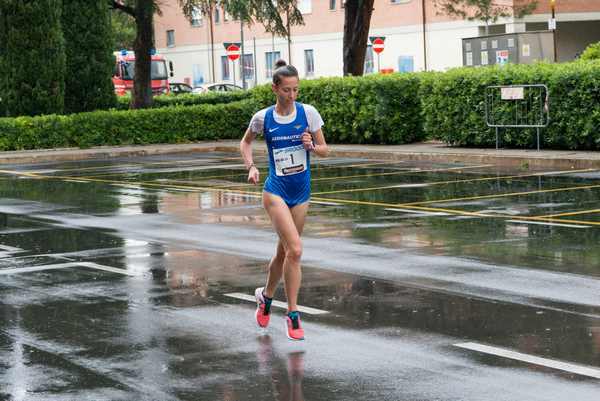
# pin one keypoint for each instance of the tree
(32, 57)
(266, 12)
(88, 43)
(487, 11)
(143, 13)
(592, 52)
(123, 30)
(357, 21)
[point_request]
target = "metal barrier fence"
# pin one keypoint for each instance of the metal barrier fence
(517, 106)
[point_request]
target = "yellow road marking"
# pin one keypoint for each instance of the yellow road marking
(343, 201)
(370, 175)
(571, 213)
(453, 211)
(314, 167)
(541, 191)
(126, 183)
(506, 177)
(401, 172)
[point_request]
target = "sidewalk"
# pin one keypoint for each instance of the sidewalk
(428, 151)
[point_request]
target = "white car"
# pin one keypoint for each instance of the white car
(216, 87)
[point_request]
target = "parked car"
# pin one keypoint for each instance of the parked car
(217, 87)
(180, 88)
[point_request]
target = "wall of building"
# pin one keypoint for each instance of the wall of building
(401, 24)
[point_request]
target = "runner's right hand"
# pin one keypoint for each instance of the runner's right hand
(253, 175)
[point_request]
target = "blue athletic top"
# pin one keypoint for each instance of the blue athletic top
(289, 162)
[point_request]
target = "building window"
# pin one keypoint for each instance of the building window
(309, 62)
(400, 1)
(196, 17)
(248, 66)
(305, 6)
(369, 60)
(225, 76)
(270, 59)
(332, 4)
(217, 15)
(170, 38)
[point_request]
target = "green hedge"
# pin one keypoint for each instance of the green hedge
(189, 99)
(165, 125)
(381, 109)
(454, 106)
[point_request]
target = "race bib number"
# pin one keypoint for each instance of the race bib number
(290, 160)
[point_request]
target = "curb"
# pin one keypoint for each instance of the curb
(550, 159)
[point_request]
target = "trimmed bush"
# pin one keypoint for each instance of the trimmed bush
(189, 99)
(381, 109)
(592, 52)
(454, 108)
(175, 124)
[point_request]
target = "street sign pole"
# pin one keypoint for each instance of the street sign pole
(233, 53)
(233, 69)
(378, 45)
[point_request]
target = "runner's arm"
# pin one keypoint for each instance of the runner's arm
(246, 151)
(320, 146)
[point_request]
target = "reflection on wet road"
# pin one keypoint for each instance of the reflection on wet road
(440, 282)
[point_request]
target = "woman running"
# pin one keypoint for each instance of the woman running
(292, 132)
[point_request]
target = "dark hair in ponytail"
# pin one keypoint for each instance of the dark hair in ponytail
(282, 69)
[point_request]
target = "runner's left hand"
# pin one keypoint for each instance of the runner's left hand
(307, 141)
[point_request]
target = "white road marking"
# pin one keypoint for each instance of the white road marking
(10, 248)
(325, 203)
(541, 223)
(91, 265)
(536, 360)
(412, 211)
(279, 304)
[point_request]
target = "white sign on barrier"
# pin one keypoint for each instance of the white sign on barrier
(512, 93)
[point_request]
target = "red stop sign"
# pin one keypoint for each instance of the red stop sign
(378, 45)
(233, 52)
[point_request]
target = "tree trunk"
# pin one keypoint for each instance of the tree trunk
(357, 20)
(142, 84)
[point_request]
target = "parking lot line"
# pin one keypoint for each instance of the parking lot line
(591, 211)
(535, 360)
(91, 265)
(539, 191)
(547, 223)
(506, 177)
(279, 304)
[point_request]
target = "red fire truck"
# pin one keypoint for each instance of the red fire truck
(124, 72)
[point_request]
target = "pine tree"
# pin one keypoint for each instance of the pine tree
(32, 56)
(90, 62)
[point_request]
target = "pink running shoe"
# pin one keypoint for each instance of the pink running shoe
(263, 308)
(294, 330)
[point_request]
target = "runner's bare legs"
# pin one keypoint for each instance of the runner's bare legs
(288, 224)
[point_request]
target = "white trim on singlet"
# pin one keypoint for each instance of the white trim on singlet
(315, 122)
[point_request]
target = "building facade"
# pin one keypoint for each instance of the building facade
(417, 37)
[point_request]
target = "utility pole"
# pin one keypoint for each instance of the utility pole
(424, 36)
(243, 55)
(553, 27)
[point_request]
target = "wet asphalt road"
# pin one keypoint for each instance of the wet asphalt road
(125, 279)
